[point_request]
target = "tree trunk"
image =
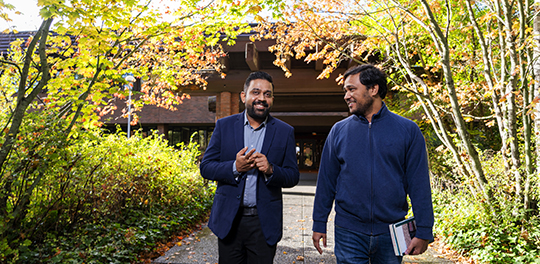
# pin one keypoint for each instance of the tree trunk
(22, 101)
(536, 93)
(476, 166)
(526, 60)
(511, 88)
(22, 105)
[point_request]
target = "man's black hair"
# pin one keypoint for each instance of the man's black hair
(258, 75)
(369, 76)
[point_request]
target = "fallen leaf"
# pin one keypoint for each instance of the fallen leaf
(300, 258)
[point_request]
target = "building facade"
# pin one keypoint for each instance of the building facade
(308, 104)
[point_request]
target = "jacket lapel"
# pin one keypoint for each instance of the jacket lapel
(269, 136)
(239, 132)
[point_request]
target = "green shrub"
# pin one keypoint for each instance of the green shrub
(106, 199)
(507, 236)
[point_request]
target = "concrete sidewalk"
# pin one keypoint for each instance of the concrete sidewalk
(295, 246)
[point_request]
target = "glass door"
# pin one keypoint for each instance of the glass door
(308, 154)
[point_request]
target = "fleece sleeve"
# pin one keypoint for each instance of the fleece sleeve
(418, 185)
(326, 185)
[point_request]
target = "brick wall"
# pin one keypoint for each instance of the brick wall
(191, 111)
(227, 104)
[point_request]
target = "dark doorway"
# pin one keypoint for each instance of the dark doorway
(308, 153)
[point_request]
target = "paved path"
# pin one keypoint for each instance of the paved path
(294, 247)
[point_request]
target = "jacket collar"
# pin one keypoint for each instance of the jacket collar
(380, 114)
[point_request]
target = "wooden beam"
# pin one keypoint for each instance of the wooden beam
(288, 63)
(308, 103)
(319, 65)
(311, 121)
(252, 56)
(212, 103)
(224, 61)
(240, 45)
(303, 81)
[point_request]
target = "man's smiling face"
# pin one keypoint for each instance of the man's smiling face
(258, 99)
(358, 97)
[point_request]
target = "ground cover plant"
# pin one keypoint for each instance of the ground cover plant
(102, 199)
(510, 236)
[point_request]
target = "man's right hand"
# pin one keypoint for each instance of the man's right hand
(244, 161)
(316, 240)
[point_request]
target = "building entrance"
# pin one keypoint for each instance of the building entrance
(308, 153)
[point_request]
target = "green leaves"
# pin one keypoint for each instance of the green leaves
(168, 44)
(114, 198)
(510, 236)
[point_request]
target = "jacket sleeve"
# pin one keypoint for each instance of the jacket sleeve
(286, 174)
(214, 165)
(418, 185)
(326, 185)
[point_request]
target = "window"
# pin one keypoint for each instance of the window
(200, 135)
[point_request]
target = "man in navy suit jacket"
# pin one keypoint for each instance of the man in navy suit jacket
(251, 156)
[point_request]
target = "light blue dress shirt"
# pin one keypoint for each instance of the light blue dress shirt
(253, 139)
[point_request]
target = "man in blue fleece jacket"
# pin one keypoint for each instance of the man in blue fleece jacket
(370, 162)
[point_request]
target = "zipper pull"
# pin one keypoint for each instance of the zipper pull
(369, 124)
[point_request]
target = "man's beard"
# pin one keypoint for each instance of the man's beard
(362, 109)
(256, 114)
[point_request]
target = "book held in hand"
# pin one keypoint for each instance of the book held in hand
(402, 233)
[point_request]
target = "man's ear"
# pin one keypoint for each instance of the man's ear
(243, 97)
(374, 91)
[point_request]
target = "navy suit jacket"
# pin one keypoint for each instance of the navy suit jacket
(217, 165)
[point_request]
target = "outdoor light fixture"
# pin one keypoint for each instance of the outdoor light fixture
(130, 79)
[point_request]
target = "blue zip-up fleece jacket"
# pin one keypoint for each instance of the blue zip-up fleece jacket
(369, 169)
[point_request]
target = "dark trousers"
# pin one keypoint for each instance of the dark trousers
(245, 244)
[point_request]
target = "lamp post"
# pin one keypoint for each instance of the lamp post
(130, 79)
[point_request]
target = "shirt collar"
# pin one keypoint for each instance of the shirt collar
(246, 121)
